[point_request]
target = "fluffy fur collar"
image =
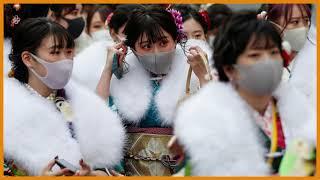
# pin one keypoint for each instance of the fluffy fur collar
(35, 132)
(217, 130)
(88, 64)
(132, 94)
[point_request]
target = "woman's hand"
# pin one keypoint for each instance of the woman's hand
(85, 169)
(103, 87)
(196, 60)
(47, 171)
(119, 49)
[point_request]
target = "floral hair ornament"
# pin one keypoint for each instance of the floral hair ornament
(204, 14)
(15, 20)
(178, 21)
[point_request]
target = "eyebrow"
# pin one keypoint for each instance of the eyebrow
(161, 38)
(197, 31)
(293, 18)
(55, 47)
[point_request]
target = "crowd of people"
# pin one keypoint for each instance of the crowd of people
(159, 90)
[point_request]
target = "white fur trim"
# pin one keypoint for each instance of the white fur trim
(6, 62)
(297, 115)
(89, 63)
(132, 94)
(216, 128)
(35, 132)
(304, 71)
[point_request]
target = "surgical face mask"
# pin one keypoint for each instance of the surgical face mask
(99, 35)
(261, 78)
(296, 37)
(211, 40)
(75, 27)
(157, 63)
(58, 73)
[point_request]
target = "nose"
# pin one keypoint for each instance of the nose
(155, 49)
(266, 55)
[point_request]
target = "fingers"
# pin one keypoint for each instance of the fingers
(61, 172)
(84, 168)
(50, 165)
(83, 164)
(114, 173)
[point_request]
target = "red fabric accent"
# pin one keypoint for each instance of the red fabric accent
(281, 138)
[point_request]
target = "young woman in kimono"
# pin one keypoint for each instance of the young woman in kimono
(242, 124)
(293, 23)
(195, 25)
(46, 115)
(146, 96)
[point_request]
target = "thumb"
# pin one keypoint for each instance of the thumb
(50, 165)
(61, 172)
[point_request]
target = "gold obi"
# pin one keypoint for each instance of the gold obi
(147, 153)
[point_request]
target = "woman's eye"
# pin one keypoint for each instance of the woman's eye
(97, 27)
(198, 36)
(163, 43)
(253, 55)
(55, 52)
(294, 22)
(146, 46)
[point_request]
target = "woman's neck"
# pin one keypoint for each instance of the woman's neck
(38, 85)
(258, 103)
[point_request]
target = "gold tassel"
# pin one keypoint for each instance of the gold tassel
(11, 73)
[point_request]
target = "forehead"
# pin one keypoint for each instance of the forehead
(51, 41)
(261, 42)
(298, 11)
(144, 36)
(96, 17)
(48, 41)
(191, 25)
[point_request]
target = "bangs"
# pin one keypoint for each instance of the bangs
(152, 30)
(61, 38)
(260, 41)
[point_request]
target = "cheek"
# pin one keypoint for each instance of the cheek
(40, 69)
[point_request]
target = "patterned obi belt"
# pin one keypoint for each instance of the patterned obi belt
(147, 153)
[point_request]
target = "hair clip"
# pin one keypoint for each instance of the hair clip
(204, 14)
(15, 20)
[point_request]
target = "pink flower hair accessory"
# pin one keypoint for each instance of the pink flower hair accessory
(178, 21)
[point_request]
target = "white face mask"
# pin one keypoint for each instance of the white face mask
(58, 73)
(296, 37)
(99, 35)
(211, 40)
